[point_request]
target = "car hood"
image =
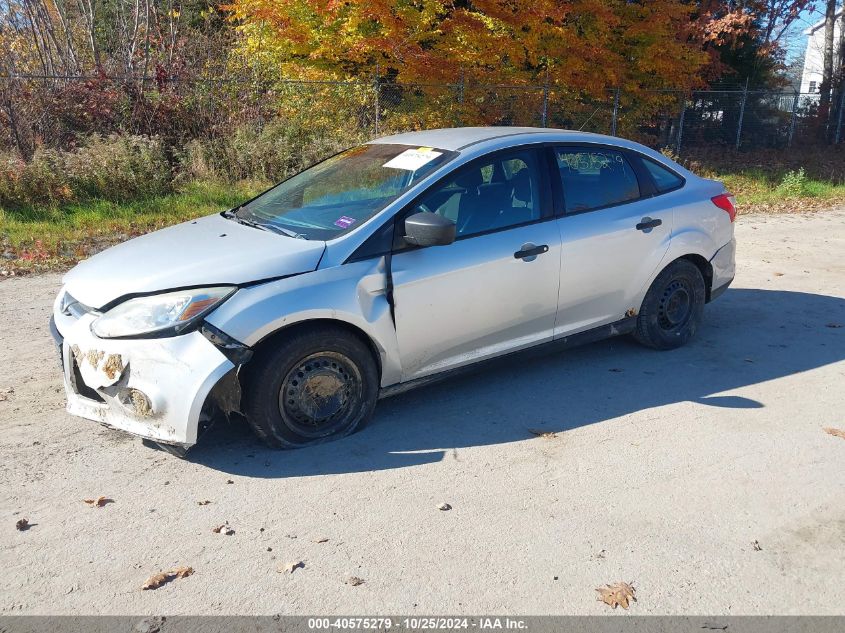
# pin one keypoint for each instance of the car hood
(210, 250)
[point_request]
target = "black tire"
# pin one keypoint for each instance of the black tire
(315, 385)
(673, 307)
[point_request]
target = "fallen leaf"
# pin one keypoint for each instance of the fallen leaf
(322, 540)
(157, 580)
(547, 435)
(835, 432)
(22, 525)
(617, 594)
(223, 529)
(289, 568)
(756, 546)
(99, 502)
(444, 507)
(355, 581)
(203, 503)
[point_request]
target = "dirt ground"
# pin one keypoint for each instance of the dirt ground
(703, 476)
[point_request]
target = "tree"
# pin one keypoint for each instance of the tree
(744, 37)
(584, 44)
(826, 86)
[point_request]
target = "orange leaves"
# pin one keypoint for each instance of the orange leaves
(585, 44)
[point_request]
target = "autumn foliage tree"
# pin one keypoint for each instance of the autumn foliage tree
(584, 44)
(743, 38)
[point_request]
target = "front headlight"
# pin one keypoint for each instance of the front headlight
(160, 315)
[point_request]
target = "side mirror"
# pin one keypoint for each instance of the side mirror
(429, 229)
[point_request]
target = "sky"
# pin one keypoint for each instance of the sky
(796, 42)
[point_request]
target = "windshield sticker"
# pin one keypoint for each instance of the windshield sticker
(344, 222)
(413, 159)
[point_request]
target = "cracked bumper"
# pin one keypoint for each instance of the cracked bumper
(724, 268)
(153, 388)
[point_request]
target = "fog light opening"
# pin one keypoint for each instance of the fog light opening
(136, 401)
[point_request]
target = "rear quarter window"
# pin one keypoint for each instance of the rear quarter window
(664, 179)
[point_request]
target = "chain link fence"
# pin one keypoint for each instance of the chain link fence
(58, 112)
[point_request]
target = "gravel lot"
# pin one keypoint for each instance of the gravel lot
(665, 470)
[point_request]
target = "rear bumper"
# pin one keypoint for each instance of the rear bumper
(724, 268)
(718, 292)
(153, 388)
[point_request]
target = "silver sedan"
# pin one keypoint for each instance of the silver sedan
(387, 265)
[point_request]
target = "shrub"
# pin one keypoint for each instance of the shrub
(117, 168)
(41, 180)
(793, 183)
(272, 153)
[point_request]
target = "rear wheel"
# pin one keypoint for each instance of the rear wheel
(673, 307)
(317, 384)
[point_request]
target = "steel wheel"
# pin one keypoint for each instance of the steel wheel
(310, 385)
(672, 308)
(316, 396)
(675, 305)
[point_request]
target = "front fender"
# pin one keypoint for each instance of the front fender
(352, 293)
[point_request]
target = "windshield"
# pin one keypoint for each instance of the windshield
(341, 193)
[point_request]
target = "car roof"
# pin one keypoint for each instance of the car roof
(457, 138)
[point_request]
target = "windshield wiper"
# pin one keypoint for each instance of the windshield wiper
(261, 225)
(279, 230)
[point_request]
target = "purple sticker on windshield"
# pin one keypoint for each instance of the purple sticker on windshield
(344, 222)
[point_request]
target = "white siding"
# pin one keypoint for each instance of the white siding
(814, 57)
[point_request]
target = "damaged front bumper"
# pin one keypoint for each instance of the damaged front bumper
(156, 388)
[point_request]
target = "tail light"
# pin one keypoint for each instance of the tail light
(727, 203)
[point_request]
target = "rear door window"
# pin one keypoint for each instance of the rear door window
(593, 178)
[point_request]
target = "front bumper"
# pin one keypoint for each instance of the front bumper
(153, 388)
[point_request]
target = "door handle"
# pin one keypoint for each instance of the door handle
(646, 224)
(528, 252)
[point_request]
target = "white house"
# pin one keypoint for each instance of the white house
(811, 78)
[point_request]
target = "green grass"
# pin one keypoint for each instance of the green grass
(756, 190)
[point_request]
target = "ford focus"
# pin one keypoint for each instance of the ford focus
(386, 266)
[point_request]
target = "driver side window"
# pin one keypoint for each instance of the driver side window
(489, 194)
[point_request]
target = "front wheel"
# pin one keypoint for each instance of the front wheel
(673, 307)
(315, 385)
